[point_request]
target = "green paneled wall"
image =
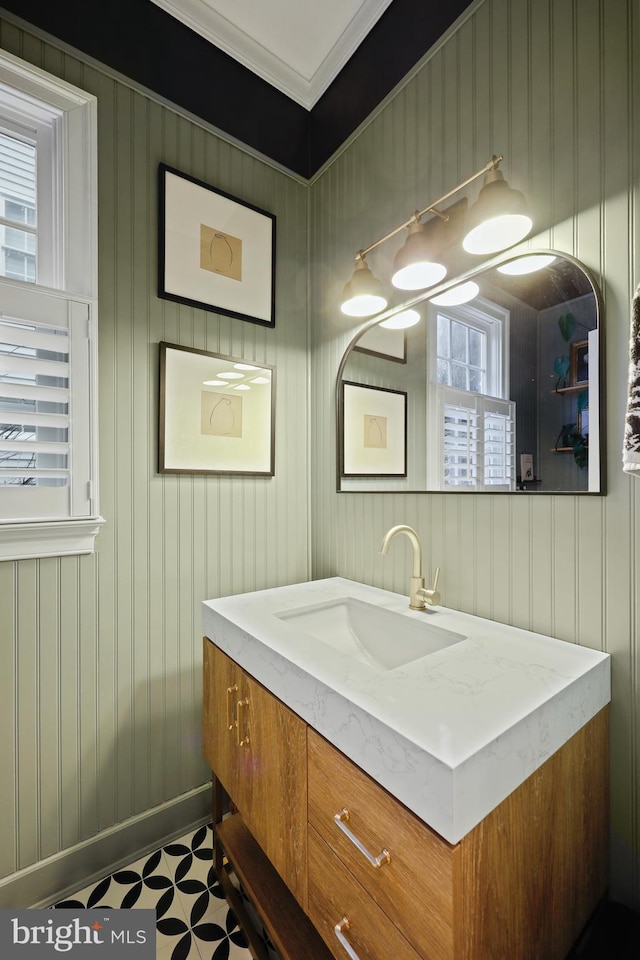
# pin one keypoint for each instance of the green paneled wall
(100, 700)
(99, 686)
(552, 84)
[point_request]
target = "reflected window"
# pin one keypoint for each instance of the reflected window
(470, 348)
(468, 398)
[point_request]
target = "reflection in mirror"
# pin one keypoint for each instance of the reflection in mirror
(492, 385)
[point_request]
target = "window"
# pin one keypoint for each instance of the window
(470, 348)
(469, 414)
(18, 232)
(48, 219)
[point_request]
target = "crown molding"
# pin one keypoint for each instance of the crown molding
(306, 91)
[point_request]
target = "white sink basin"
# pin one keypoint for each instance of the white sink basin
(370, 633)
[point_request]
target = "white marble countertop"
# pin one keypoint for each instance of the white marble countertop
(451, 734)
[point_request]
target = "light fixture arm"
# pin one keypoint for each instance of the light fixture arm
(417, 216)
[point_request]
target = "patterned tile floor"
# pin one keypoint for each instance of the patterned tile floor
(195, 923)
(193, 919)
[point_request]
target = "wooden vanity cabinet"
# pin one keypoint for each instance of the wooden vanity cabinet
(414, 885)
(257, 749)
(520, 885)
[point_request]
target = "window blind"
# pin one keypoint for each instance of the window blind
(477, 441)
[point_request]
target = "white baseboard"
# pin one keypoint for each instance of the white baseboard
(57, 877)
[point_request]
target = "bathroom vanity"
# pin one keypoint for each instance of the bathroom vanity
(407, 785)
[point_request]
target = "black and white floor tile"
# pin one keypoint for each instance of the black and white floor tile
(194, 921)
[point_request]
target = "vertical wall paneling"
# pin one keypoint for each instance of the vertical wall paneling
(8, 715)
(28, 713)
(100, 689)
(554, 85)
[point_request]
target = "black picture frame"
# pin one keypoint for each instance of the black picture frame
(579, 363)
(215, 251)
(377, 449)
(206, 425)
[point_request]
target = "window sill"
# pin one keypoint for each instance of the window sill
(33, 539)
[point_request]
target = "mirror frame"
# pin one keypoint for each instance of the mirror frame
(423, 296)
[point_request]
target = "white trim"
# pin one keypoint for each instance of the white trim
(61, 874)
(73, 132)
(48, 538)
(35, 81)
(225, 35)
(49, 526)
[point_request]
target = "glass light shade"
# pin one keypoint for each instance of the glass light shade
(363, 295)
(415, 266)
(462, 293)
(498, 218)
(408, 318)
(523, 265)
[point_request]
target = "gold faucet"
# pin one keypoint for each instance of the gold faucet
(419, 596)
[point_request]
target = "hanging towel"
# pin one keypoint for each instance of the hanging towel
(631, 445)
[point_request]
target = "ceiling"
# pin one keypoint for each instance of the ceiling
(298, 46)
(291, 79)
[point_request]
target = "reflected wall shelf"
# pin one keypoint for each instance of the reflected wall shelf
(578, 388)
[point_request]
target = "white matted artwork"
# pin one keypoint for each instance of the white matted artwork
(217, 413)
(379, 341)
(214, 251)
(374, 434)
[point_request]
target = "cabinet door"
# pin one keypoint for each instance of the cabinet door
(221, 693)
(271, 784)
(258, 750)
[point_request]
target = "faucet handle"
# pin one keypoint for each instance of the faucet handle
(432, 596)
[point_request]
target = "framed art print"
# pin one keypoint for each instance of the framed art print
(579, 363)
(214, 251)
(374, 431)
(384, 342)
(217, 414)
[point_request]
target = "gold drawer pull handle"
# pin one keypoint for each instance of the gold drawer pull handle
(339, 927)
(230, 691)
(341, 820)
(242, 740)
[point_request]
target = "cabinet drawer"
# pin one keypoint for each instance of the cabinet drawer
(415, 887)
(334, 895)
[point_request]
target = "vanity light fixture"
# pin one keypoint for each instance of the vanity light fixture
(524, 265)
(461, 293)
(363, 295)
(498, 219)
(408, 318)
(415, 266)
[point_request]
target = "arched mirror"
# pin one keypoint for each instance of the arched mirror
(500, 393)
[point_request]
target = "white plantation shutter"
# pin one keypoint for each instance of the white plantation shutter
(459, 444)
(45, 418)
(499, 444)
(48, 314)
(477, 441)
